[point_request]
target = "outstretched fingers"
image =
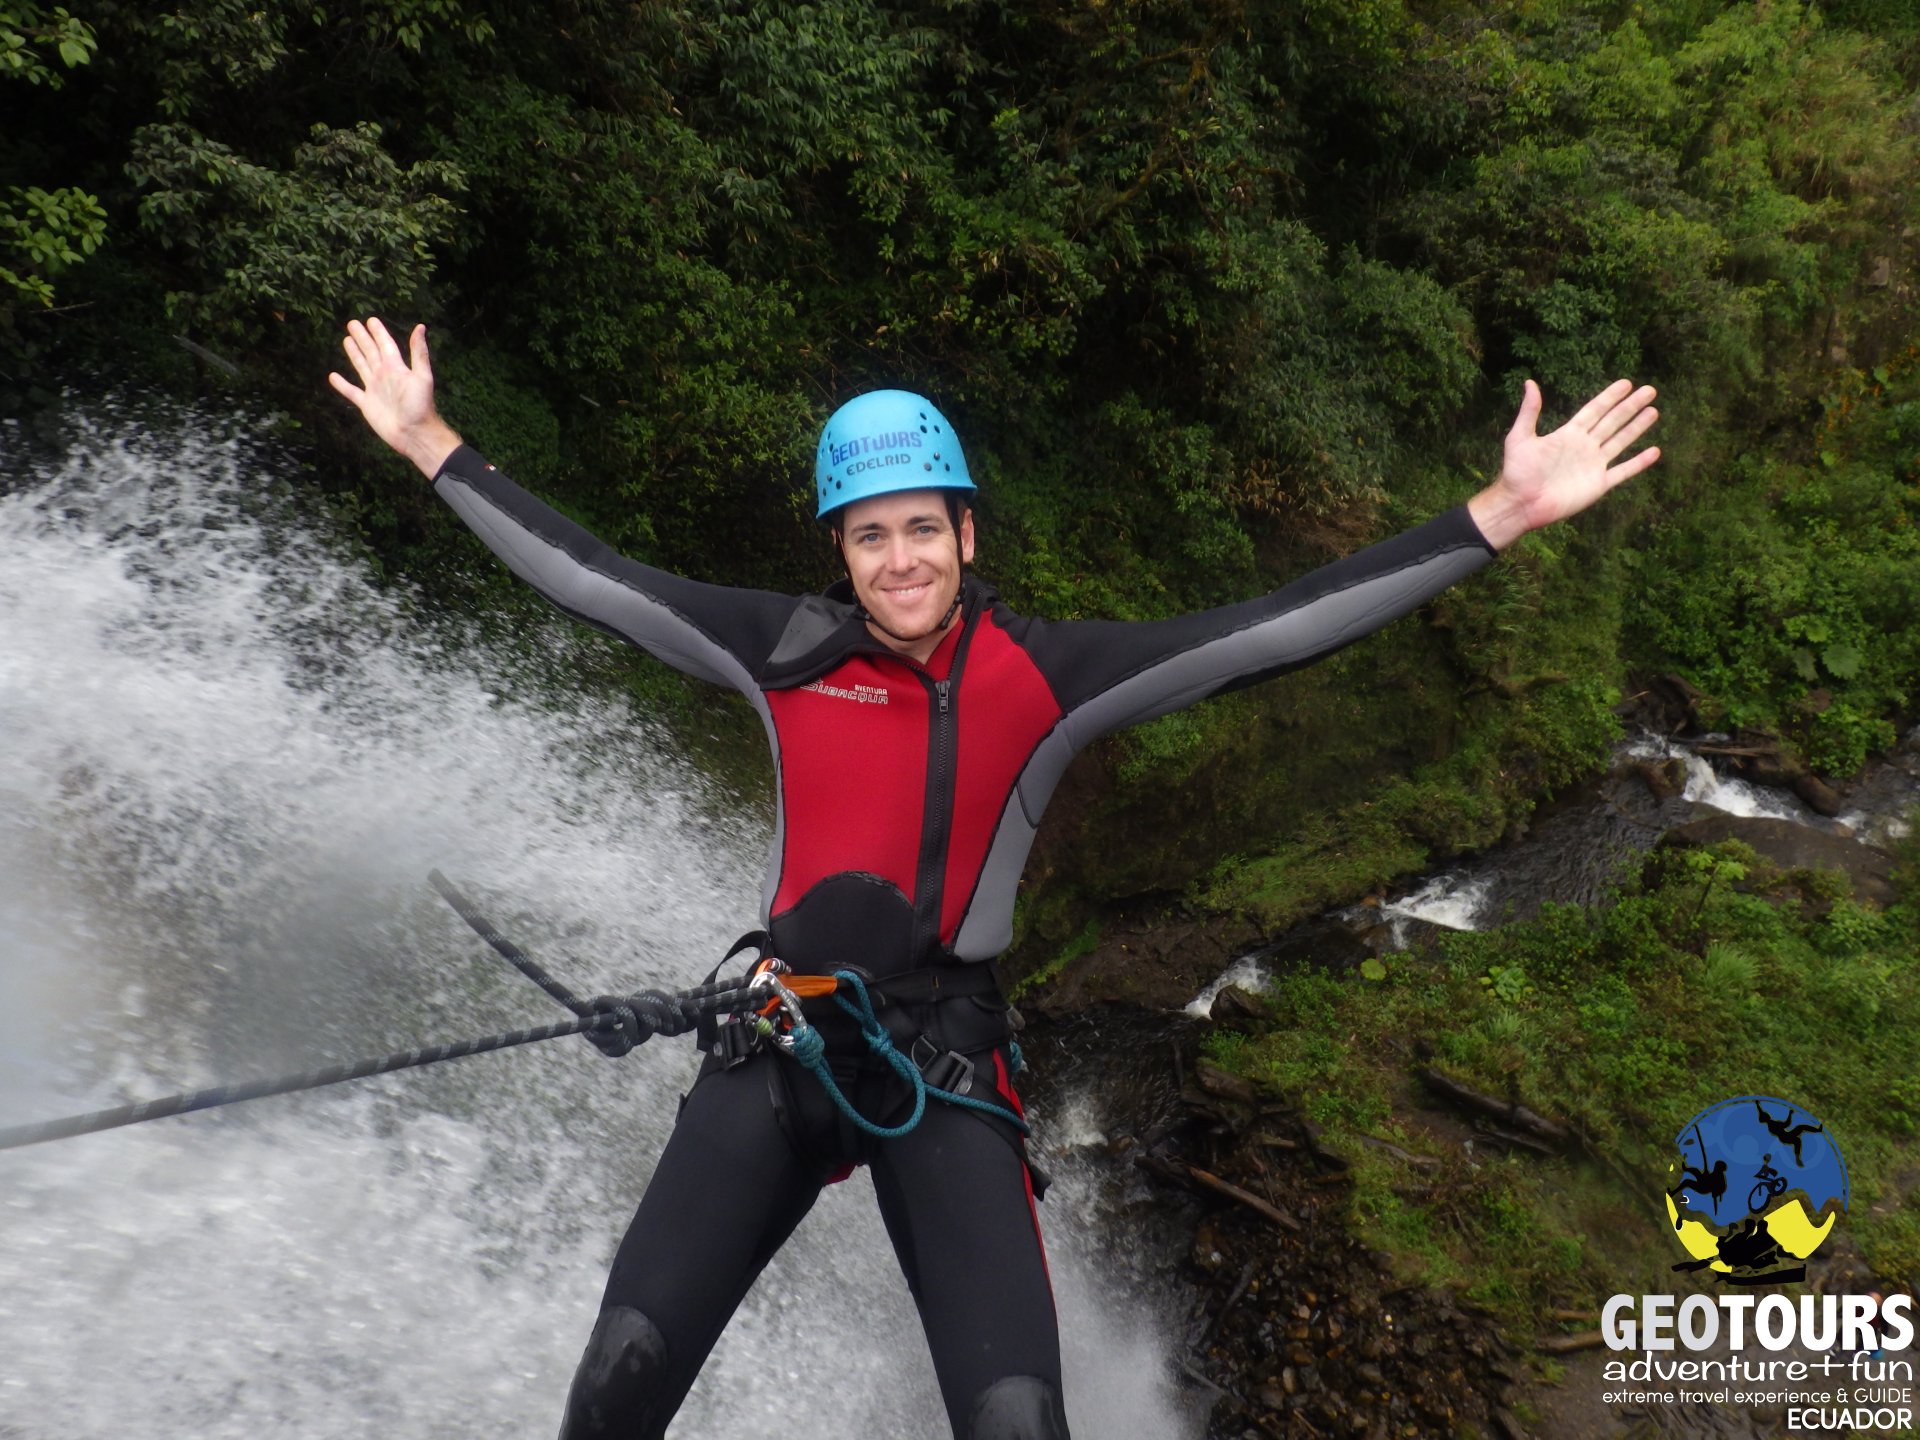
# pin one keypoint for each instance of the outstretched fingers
(382, 339)
(1623, 412)
(1630, 430)
(1632, 465)
(1590, 415)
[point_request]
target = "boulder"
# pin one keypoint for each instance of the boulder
(1789, 846)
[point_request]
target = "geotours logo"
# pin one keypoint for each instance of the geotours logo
(1756, 1185)
(875, 447)
(1755, 1188)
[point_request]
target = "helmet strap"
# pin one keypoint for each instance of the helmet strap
(945, 620)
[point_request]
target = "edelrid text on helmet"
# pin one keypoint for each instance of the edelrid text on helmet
(882, 442)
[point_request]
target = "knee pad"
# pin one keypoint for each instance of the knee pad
(1020, 1407)
(620, 1390)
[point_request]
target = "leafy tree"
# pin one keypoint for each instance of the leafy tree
(43, 232)
(343, 229)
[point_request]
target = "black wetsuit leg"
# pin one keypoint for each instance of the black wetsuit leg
(957, 1206)
(737, 1176)
(728, 1191)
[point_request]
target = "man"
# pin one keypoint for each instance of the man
(919, 728)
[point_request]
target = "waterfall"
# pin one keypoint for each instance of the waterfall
(228, 760)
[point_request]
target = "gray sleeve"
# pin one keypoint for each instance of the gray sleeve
(713, 632)
(1110, 674)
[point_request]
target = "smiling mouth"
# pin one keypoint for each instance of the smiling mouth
(909, 592)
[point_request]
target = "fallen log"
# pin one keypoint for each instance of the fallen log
(1179, 1170)
(1511, 1112)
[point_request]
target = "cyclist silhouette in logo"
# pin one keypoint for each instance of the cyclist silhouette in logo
(1769, 1182)
(1709, 1185)
(1786, 1132)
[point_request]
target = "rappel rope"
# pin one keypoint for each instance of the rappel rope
(636, 1017)
(806, 1045)
(15, 1136)
(507, 950)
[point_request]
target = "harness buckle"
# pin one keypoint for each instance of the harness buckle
(736, 1043)
(949, 1071)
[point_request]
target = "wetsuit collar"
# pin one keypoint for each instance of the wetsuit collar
(829, 627)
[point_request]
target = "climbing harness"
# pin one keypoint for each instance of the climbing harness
(806, 1045)
(763, 1006)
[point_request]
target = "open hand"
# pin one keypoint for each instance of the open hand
(395, 394)
(1544, 478)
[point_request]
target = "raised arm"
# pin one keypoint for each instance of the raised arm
(1107, 674)
(715, 632)
(395, 397)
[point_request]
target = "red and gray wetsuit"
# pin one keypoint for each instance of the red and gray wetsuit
(909, 794)
(908, 798)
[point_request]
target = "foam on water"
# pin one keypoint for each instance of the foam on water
(1455, 901)
(227, 762)
(1247, 972)
(1726, 793)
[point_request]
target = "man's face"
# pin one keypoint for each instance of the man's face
(905, 560)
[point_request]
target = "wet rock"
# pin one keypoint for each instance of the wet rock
(1669, 704)
(1788, 846)
(1225, 1084)
(1146, 961)
(1772, 769)
(1239, 1009)
(1663, 780)
(1207, 1254)
(1820, 797)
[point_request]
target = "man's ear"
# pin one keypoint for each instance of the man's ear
(966, 536)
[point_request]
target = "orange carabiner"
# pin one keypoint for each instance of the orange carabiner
(804, 987)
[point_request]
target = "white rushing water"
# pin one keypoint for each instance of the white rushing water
(1459, 902)
(227, 763)
(1247, 972)
(1726, 793)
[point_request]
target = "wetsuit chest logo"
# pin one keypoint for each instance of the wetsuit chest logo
(859, 694)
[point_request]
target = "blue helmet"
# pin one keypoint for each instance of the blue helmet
(882, 442)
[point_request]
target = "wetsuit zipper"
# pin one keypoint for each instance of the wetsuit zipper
(937, 822)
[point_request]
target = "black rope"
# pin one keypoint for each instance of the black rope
(15, 1136)
(508, 951)
(640, 1017)
(676, 1015)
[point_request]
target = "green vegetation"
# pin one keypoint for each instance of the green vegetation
(1711, 976)
(1079, 945)
(1216, 291)
(1797, 616)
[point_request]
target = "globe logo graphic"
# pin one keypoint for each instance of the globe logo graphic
(1754, 1188)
